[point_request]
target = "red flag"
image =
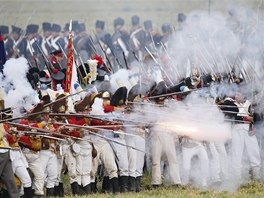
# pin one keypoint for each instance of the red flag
(69, 65)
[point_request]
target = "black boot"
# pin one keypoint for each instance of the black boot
(50, 192)
(93, 187)
(132, 184)
(138, 184)
(56, 191)
(115, 186)
(123, 181)
(106, 185)
(87, 189)
(61, 190)
(28, 193)
(75, 188)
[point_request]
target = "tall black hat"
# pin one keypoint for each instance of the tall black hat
(56, 28)
(46, 26)
(148, 24)
(16, 29)
(166, 28)
(181, 17)
(32, 29)
(99, 24)
(135, 20)
(119, 97)
(119, 21)
(4, 29)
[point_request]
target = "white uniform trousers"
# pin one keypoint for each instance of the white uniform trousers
(106, 156)
(34, 164)
(20, 167)
(135, 158)
(49, 165)
(122, 155)
(164, 143)
(187, 154)
(242, 140)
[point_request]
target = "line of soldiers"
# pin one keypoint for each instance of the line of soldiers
(100, 133)
(121, 48)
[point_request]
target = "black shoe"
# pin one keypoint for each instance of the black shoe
(154, 186)
(50, 192)
(87, 189)
(123, 183)
(115, 185)
(61, 190)
(132, 184)
(93, 187)
(106, 187)
(75, 188)
(138, 184)
(56, 191)
(28, 193)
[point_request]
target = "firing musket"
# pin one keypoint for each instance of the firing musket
(28, 133)
(159, 65)
(102, 128)
(102, 136)
(107, 58)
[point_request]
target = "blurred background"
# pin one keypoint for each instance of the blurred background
(21, 12)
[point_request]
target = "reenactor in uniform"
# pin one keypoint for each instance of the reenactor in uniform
(31, 145)
(19, 43)
(120, 40)
(181, 20)
(104, 38)
(84, 44)
(6, 172)
(31, 40)
(57, 42)
(7, 41)
(152, 37)
(47, 37)
(137, 40)
(166, 30)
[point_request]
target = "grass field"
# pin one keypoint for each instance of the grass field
(252, 189)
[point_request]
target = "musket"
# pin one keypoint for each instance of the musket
(159, 65)
(35, 59)
(48, 64)
(104, 137)
(83, 66)
(125, 60)
(20, 117)
(108, 60)
(101, 128)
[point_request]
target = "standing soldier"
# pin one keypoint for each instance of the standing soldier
(120, 44)
(6, 172)
(56, 40)
(19, 43)
(137, 39)
(7, 41)
(152, 37)
(166, 30)
(104, 38)
(47, 36)
(32, 50)
(84, 44)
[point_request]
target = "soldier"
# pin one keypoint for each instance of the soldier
(104, 38)
(243, 136)
(7, 41)
(19, 43)
(137, 39)
(152, 37)
(47, 37)
(181, 20)
(84, 44)
(31, 40)
(56, 42)
(6, 172)
(166, 30)
(120, 44)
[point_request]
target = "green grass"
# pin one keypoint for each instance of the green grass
(252, 189)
